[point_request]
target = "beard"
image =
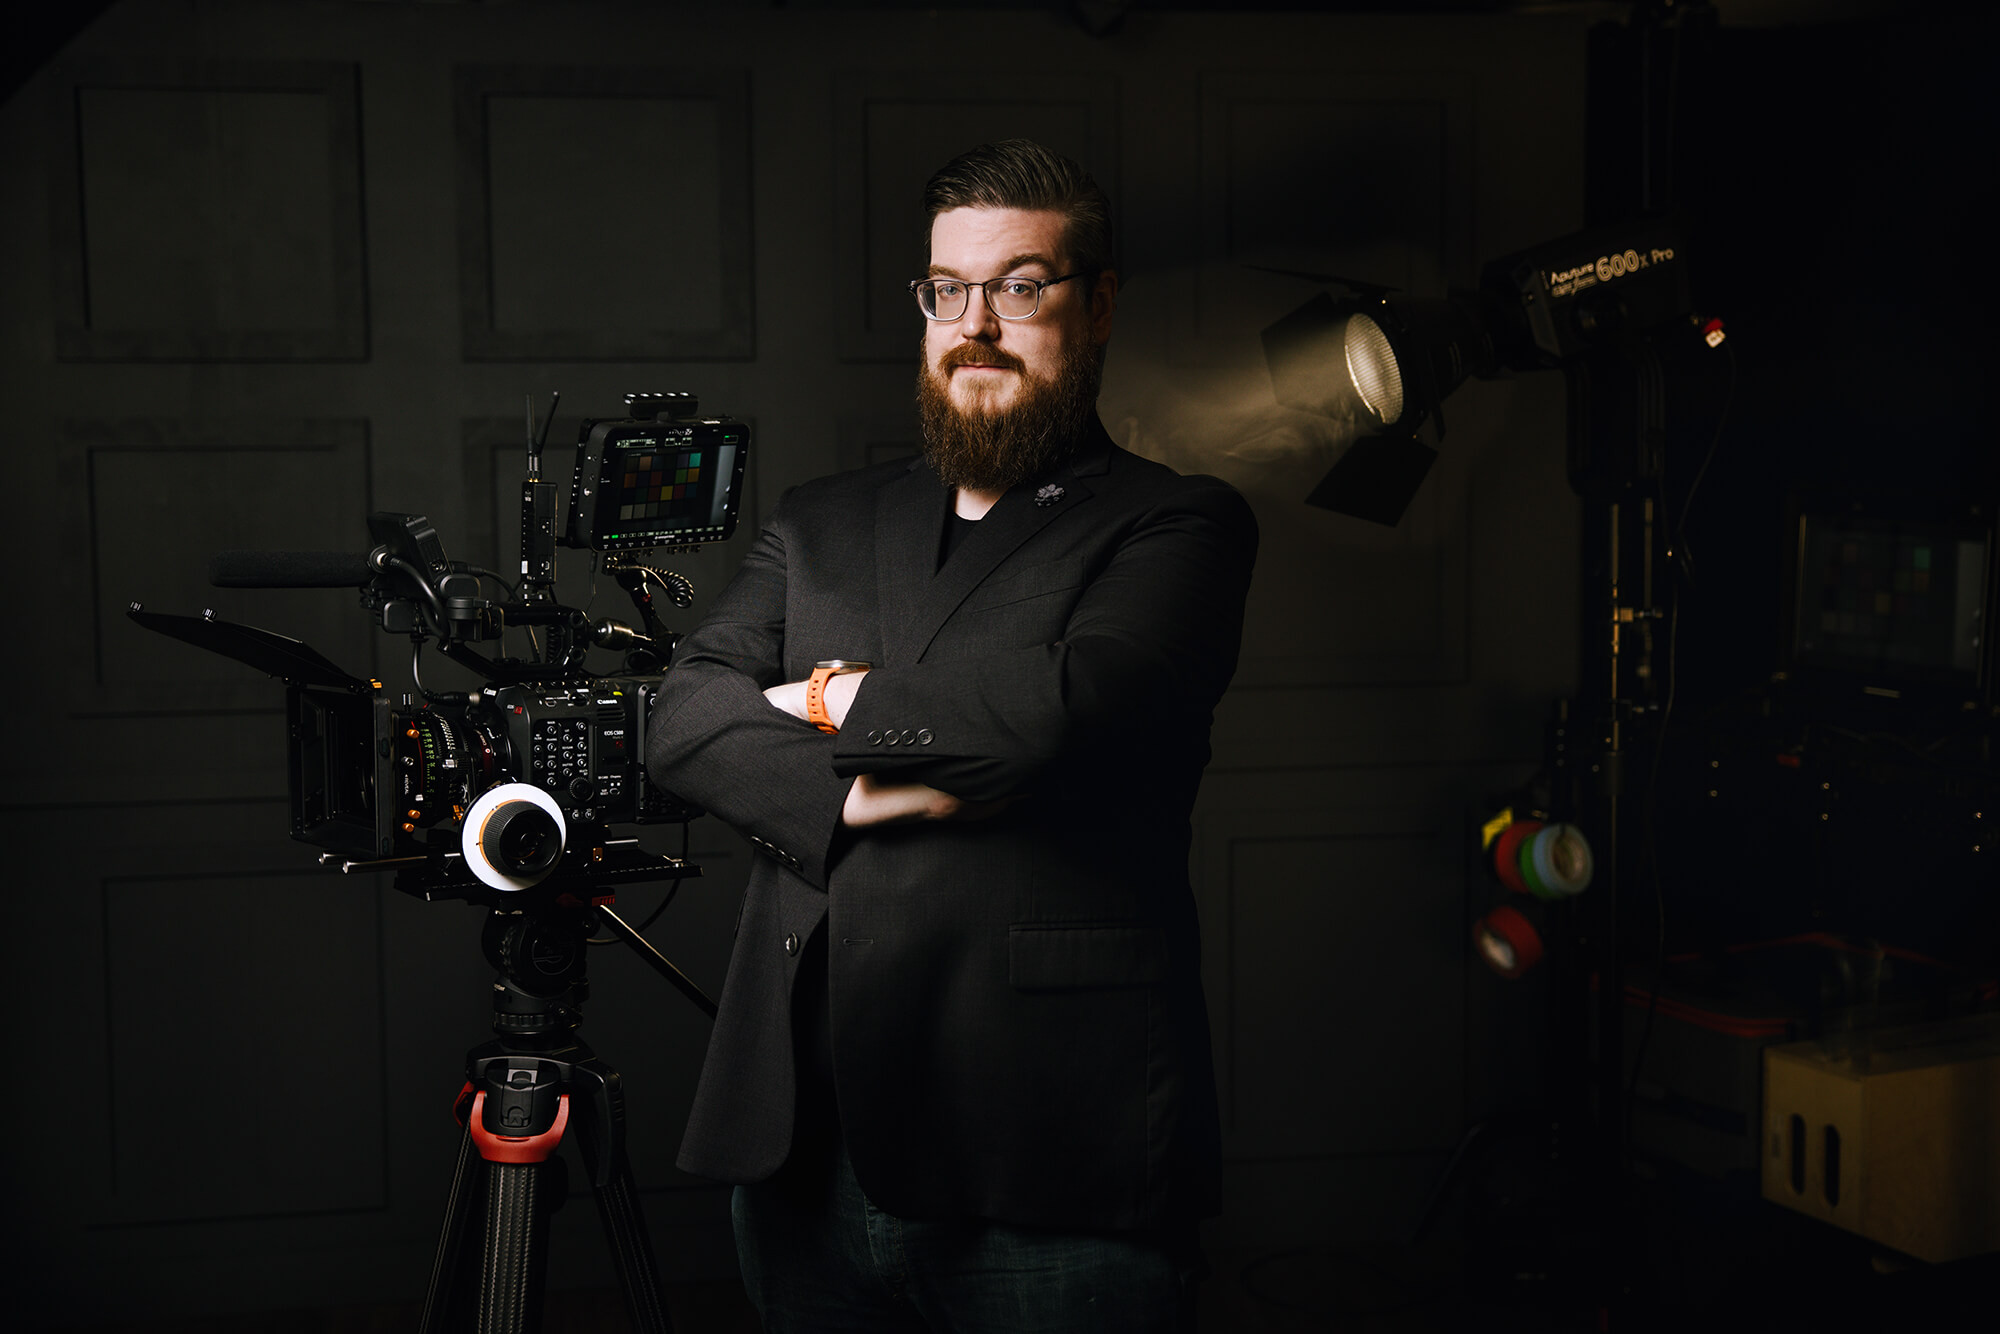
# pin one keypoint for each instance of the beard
(983, 448)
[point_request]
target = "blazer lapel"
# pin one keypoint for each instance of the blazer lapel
(909, 523)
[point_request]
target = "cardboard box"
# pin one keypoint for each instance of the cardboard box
(1898, 1141)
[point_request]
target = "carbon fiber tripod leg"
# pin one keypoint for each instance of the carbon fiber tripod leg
(512, 1270)
(448, 1274)
(624, 1221)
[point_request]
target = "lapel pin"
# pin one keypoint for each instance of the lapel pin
(1048, 495)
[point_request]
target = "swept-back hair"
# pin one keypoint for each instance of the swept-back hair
(1020, 173)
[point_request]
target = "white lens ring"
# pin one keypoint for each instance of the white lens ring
(480, 816)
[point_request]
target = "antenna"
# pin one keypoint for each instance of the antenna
(537, 439)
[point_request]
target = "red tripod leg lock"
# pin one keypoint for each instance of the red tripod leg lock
(512, 1149)
(514, 1108)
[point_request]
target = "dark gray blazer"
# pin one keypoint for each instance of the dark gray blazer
(1017, 1020)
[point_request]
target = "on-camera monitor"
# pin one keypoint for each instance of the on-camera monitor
(661, 483)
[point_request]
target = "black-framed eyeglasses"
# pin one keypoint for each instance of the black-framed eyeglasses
(1011, 298)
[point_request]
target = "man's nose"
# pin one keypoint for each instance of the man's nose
(979, 321)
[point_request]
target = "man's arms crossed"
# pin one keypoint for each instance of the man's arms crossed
(1149, 646)
(1150, 642)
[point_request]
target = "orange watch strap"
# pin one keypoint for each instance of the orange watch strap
(816, 699)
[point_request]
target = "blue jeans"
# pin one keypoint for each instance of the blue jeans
(817, 1257)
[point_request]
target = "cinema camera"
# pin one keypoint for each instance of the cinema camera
(482, 794)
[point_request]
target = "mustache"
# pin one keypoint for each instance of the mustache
(973, 354)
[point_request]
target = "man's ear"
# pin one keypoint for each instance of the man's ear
(1103, 305)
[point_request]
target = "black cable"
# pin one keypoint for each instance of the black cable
(1679, 557)
(434, 603)
(1677, 540)
(672, 889)
(677, 587)
(1659, 885)
(596, 569)
(1682, 559)
(654, 916)
(416, 672)
(484, 573)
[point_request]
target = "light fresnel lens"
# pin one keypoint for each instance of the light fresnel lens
(1371, 364)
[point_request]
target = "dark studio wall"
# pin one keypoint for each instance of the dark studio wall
(271, 266)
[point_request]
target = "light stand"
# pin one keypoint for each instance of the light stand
(1597, 306)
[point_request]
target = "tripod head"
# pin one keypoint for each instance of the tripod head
(540, 960)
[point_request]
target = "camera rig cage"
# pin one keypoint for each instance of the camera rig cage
(482, 794)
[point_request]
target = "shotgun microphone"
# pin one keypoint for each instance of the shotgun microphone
(290, 569)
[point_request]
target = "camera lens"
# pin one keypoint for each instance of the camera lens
(438, 760)
(521, 838)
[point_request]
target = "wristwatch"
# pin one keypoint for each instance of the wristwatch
(816, 690)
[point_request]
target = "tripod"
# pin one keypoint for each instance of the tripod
(527, 1088)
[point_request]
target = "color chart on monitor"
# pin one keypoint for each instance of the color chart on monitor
(662, 488)
(1900, 598)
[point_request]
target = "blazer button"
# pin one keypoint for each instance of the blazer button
(890, 736)
(909, 737)
(792, 943)
(875, 737)
(924, 736)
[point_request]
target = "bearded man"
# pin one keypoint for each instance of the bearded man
(960, 706)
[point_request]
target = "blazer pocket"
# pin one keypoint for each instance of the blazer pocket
(1036, 581)
(1051, 958)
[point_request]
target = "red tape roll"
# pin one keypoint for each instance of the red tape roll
(1507, 853)
(1507, 941)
